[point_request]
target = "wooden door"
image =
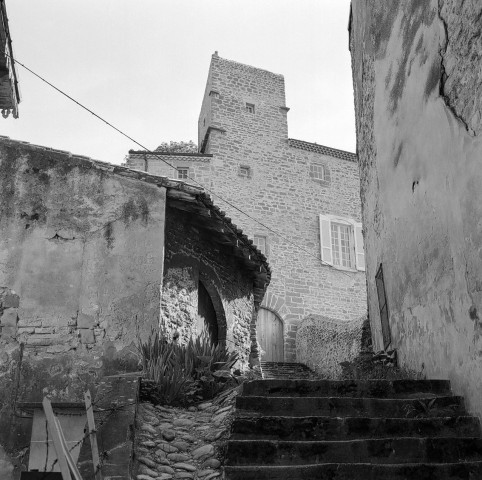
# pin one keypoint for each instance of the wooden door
(269, 328)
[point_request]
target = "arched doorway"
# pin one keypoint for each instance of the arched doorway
(269, 331)
(207, 314)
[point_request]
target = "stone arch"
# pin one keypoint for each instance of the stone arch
(205, 276)
(185, 319)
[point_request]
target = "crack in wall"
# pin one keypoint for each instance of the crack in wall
(444, 76)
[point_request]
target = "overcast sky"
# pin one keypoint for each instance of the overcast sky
(143, 65)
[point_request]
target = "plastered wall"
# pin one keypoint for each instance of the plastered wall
(417, 96)
(83, 250)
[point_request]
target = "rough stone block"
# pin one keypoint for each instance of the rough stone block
(40, 340)
(10, 300)
(85, 321)
(87, 336)
(9, 317)
(44, 330)
(8, 333)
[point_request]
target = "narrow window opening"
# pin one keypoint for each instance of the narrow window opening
(182, 173)
(244, 171)
(250, 107)
(260, 242)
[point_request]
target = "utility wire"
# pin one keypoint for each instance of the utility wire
(150, 152)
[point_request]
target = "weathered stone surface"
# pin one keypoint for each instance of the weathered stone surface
(149, 428)
(143, 476)
(165, 469)
(183, 475)
(147, 461)
(181, 446)
(182, 422)
(212, 463)
(204, 451)
(166, 447)
(178, 457)
(169, 435)
(185, 466)
(148, 471)
(419, 205)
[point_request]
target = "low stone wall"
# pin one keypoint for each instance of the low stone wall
(322, 343)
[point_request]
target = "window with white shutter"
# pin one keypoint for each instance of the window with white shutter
(342, 243)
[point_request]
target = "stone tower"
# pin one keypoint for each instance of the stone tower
(282, 192)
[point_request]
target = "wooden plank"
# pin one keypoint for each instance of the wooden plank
(68, 457)
(93, 435)
(54, 432)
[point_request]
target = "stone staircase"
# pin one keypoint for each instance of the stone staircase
(349, 430)
(286, 370)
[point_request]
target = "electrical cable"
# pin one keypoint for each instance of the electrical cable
(150, 152)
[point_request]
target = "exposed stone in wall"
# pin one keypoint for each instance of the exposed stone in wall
(190, 257)
(179, 302)
(323, 343)
(84, 249)
(461, 81)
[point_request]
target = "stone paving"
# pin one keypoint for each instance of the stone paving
(177, 443)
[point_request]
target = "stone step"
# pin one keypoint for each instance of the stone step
(448, 406)
(377, 451)
(361, 471)
(286, 370)
(346, 388)
(333, 428)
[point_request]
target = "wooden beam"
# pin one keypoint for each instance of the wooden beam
(55, 434)
(65, 448)
(93, 435)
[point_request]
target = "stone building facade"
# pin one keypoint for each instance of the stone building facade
(417, 83)
(288, 192)
(88, 252)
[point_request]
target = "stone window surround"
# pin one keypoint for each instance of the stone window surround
(245, 171)
(325, 178)
(356, 242)
(262, 248)
(250, 108)
(182, 173)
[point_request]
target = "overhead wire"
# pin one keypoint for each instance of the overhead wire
(150, 152)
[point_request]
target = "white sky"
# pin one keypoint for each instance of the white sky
(143, 64)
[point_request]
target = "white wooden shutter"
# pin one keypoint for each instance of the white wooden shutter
(359, 249)
(325, 239)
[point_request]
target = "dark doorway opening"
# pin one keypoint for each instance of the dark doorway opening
(207, 314)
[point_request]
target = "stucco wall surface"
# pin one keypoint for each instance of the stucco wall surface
(83, 249)
(191, 257)
(417, 92)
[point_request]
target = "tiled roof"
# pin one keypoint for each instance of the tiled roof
(314, 147)
(196, 200)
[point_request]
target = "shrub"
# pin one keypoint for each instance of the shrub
(183, 374)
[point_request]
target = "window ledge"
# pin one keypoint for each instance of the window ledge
(323, 183)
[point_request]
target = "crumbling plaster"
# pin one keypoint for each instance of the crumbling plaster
(83, 249)
(417, 91)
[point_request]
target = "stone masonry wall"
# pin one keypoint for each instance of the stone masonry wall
(191, 257)
(166, 165)
(416, 75)
(83, 248)
(279, 191)
(323, 343)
